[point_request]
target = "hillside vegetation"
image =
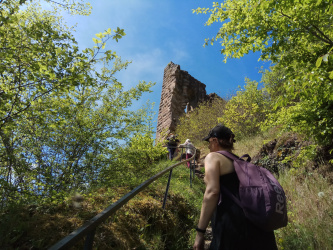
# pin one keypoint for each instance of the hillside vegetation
(70, 145)
(304, 170)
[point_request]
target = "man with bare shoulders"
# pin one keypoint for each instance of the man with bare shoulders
(231, 229)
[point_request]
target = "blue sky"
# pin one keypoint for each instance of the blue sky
(160, 31)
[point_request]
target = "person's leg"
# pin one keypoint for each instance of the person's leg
(172, 152)
(187, 157)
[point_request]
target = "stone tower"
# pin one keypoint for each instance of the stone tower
(180, 93)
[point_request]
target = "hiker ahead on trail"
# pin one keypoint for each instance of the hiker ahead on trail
(190, 150)
(231, 228)
(172, 145)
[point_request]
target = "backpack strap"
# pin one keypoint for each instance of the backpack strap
(228, 154)
(224, 190)
(248, 157)
(232, 156)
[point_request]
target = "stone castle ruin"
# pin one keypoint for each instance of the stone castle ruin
(181, 93)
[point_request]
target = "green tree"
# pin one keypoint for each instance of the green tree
(274, 80)
(272, 27)
(245, 111)
(62, 111)
(196, 124)
(132, 163)
(296, 35)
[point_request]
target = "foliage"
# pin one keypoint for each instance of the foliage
(304, 103)
(73, 7)
(77, 7)
(196, 124)
(140, 223)
(62, 111)
(312, 118)
(273, 81)
(309, 213)
(297, 37)
(303, 159)
(252, 145)
(245, 111)
(131, 163)
(307, 187)
(272, 27)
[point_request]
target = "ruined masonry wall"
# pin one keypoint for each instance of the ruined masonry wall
(180, 91)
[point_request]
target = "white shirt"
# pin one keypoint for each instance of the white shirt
(190, 149)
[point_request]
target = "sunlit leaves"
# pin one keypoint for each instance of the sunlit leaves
(331, 76)
(245, 111)
(297, 36)
(318, 62)
(80, 7)
(268, 26)
(119, 33)
(196, 124)
(96, 40)
(62, 110)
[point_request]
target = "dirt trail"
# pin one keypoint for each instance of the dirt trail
(208, 237)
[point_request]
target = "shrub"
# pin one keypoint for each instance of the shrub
(132, 163)
(246, 111)
(196, 124)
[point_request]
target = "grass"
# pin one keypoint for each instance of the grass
(252, 145)
(310, 195)
(143, 224)
(309, 191)
(310, 212)
(139, 224)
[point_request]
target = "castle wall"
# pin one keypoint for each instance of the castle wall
(180, 92)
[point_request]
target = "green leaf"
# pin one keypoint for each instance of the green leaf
(100, 35)
(331, 75)
(318, 62)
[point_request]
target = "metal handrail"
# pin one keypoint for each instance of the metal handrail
(90, 226)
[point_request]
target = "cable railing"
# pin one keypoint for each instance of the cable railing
(89, 228)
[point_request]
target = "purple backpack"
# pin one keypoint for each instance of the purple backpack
(260, 195)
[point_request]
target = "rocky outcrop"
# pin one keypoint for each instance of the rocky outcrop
(280, 153)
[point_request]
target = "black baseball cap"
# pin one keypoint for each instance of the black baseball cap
(219, 131)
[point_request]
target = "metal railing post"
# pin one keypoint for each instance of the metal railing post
(167, 189)
(190, 173)
(181, 155)
(193, 169)
(89, 240)
(192, 166)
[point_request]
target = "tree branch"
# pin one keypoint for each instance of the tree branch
(319, 31)
(324, 38)
(23, 109)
